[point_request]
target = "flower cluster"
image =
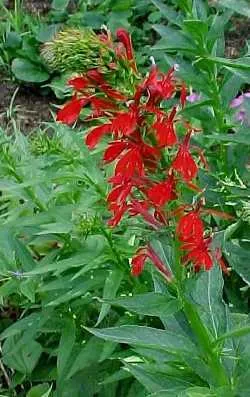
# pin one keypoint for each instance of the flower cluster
(152, 154)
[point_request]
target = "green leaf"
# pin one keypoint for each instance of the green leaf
(155, 378)
(172, 39)
(150, 304)
(59, 5)
(88, 355)
(197, 392)
(111, 287)
(65, 348)
(239, 137)
(232, 64)
(197, 29)
(238, 258)
(23, 360)
(27, 71)
(200, 9)
(42, 390)
(146, 336)
(206, 294)
(239, 6)
(168, 12)
(47, 32)
(13, 40)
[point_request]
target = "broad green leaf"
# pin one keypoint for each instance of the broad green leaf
(150, 304)
(47, 32)
(197, 392)
(42, 390)
(23, 360)
(200, 9)
(206, 294)
(238, 258)
(172, 39)
(59, 5)
(21, 325)
(25, 70)
(197, 29)
(89, 354)
(240, 6)
(65, 348)
(112, 284)
(168, 12)
(13, 40)
(146, 336)
(155, 378)
(238, 137)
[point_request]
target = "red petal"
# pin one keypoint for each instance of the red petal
(114, 150)
(96, 134)
(78, 83)
(185, 164)
(138, 262)
(70, 112)
(130, 164)
(190, 226)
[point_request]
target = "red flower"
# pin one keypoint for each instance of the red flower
(96, 134)
(119, 211)
(198, 253)
(138, 262)
(79, 83)
(130, 164)
(183, 95)
(71, 111)
(190, 227)
(124, 37)
(125, 123)
(184, 162)
(164, 129)
(141, 208)
(162, 192)
(160, 86)
(114, 150)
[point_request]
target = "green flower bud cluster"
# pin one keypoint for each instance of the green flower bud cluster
(76, 50)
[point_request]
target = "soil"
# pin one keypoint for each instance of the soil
(29, 108)
(237, 36)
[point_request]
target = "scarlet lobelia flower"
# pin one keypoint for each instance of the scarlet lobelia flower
(160, 193)
(71, 111)
(164, 128)
(184, 162)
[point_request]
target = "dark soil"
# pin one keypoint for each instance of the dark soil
(29, 108)
(237, 36)
(40, 7)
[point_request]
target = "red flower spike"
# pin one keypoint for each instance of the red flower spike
(190, 227)
(94, 136)
(162, 192)
(184, 162)
(71, 111)
(130, 164)
(183, 96)
(79, 83)
(114, 150)
(119, 194)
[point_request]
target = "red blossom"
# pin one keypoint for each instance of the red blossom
(190, 227)
(71, 111)
(142, 254)
(96, 134)
(183, 96)
(130, 164)
(198, 253)
(164, 128)
(114, 150)
(118, 211)
(160, 193)
(137, 207)
(125, 123)
(184, 162)
(79, 83)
